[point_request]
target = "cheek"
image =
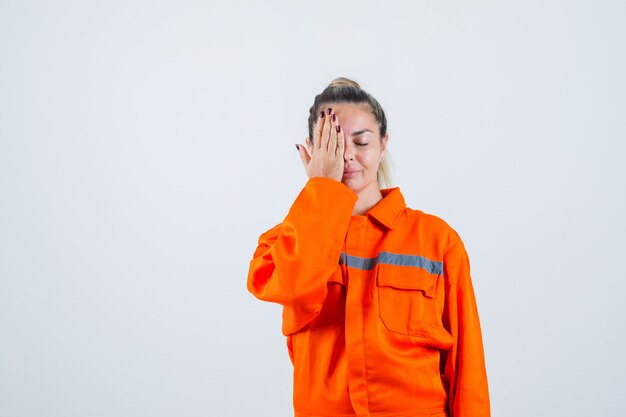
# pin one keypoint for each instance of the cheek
(370, 158)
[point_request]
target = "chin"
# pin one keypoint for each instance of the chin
(354, 185)
(359, 184)
(350, 185)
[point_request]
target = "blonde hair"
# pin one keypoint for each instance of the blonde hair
(344, 89)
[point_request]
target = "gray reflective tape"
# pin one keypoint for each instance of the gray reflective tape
(366, 264)
(357, 262)
(432, 267)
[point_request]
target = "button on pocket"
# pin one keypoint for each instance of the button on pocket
(406, 300)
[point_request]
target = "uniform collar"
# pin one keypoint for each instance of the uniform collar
(388, 210)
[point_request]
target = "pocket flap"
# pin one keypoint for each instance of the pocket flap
(407, 278)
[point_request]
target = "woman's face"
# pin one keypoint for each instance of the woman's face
(364, 148)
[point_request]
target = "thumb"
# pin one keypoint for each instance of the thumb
(304, 155)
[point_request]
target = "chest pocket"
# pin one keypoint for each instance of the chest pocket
(406, 296)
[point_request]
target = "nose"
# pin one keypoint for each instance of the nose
(348, 153)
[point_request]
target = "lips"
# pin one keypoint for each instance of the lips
(350, 172)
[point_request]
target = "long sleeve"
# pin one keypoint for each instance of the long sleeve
(464, 364)
(293, 260)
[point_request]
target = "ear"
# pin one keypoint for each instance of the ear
(309, 146)
(383, 145)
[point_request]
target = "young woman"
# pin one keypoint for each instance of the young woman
(378, 305)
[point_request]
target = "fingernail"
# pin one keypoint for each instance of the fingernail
(298, 147)
(329, 111)
(334, 118)
(338, 129)
(322, 114)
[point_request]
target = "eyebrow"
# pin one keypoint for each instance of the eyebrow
(360, 132)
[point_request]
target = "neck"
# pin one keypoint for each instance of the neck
(368, 198)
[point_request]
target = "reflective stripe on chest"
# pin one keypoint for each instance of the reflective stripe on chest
(388, 258)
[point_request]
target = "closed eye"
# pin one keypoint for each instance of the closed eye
(360, 144)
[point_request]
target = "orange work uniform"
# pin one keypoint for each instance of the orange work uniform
(378, 309)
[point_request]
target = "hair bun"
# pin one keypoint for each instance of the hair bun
(344, 82)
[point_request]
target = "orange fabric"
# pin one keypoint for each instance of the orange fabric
(378, 309)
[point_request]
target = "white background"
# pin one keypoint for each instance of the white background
(145, 145)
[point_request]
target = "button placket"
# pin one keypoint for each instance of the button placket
(357, 384)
